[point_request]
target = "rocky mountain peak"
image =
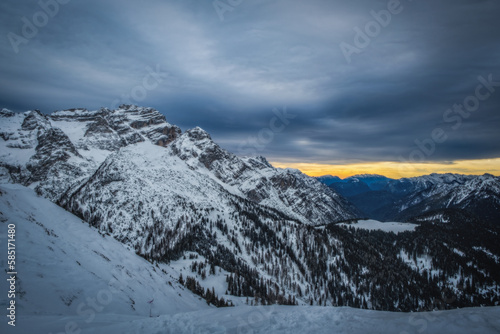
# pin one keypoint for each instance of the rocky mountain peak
(35, 120)
(198, 133)
(259, 162)
(6, 113)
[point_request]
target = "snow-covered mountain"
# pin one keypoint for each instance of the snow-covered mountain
(60, 152)
(389, 199)
(270, 234)
(479, 195)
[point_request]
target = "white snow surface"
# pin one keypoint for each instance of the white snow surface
(64, 266)
(72, 279)
(287, 320)
(372, 225)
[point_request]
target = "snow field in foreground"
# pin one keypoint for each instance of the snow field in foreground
(285, 320)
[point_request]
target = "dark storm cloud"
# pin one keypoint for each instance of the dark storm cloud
(228, 75)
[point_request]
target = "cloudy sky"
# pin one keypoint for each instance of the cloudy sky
(341, 87)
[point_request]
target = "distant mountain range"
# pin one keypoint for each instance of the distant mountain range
(387, 199)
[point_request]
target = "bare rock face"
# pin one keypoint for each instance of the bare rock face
(53, 147)
(35, 120)
(164, 136)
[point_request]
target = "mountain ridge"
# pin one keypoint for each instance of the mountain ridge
(82, 139)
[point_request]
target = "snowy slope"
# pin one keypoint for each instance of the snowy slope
(64, 266)
(142, 186)
(301, 320)
(146, 198)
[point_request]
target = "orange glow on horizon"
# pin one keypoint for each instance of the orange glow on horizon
(397, 170)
